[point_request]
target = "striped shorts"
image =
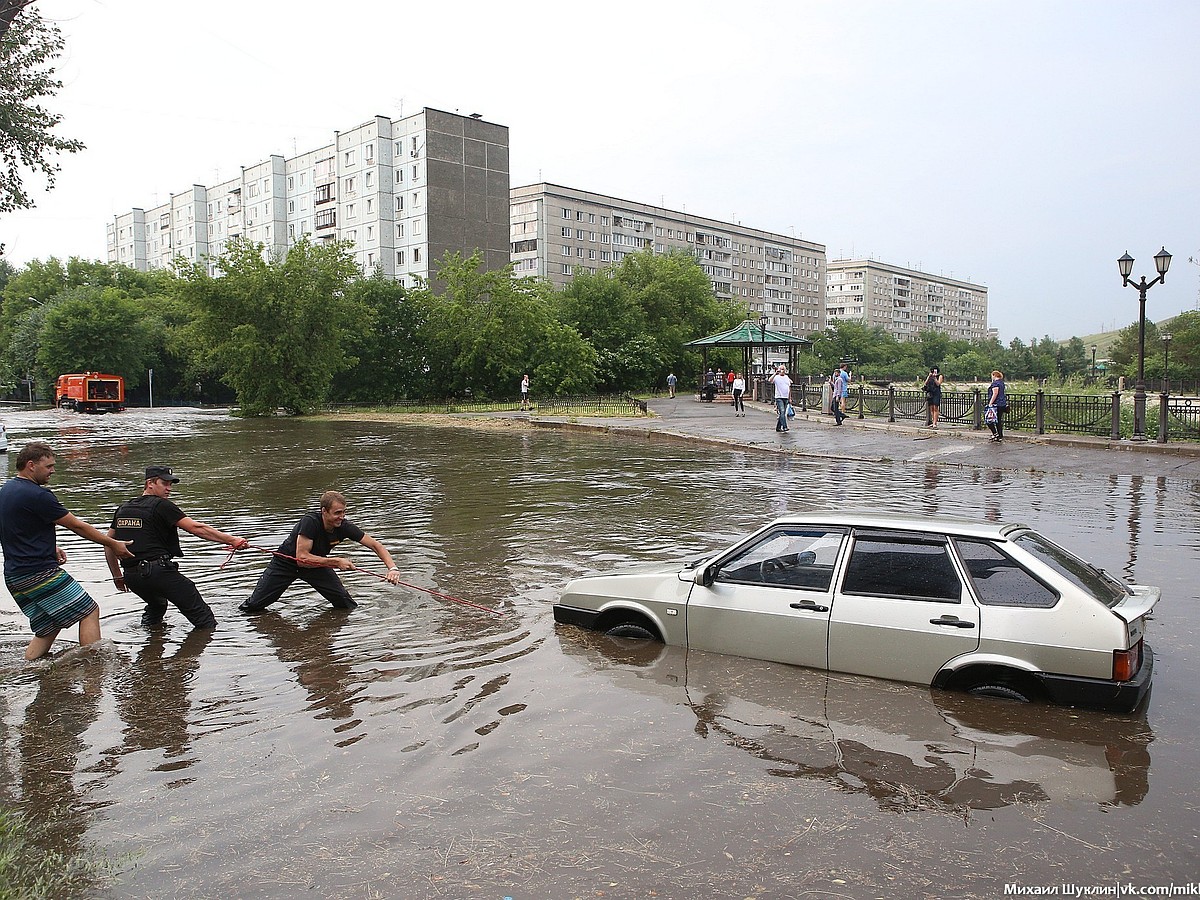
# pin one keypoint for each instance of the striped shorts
(53, 600)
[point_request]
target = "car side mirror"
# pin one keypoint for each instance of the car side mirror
(705, 575)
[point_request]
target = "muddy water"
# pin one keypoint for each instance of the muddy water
(417, 748)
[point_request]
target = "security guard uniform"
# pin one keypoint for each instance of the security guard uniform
(151, 523)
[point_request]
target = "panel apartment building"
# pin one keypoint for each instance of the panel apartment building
(558, 232)
(904, 302)
(401, 191)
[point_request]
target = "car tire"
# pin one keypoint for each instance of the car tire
(630, 630)
(1002, 691)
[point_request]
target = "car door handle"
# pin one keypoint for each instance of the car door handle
(809, 606)
(952, 620)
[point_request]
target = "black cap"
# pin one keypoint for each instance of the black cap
(163, 472)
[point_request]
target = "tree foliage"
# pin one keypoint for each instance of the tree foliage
(639, 315)
(27, 140)
(275, 329)
(483, 330)
(95, 329)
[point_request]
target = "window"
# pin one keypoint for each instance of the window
(416, 226)
(349, 158)
(400, 230)
(370, 206)
(326, 218)
(324, 193)
(566, 213)
(566, 251)
(578, 234)
(416, 255)
(351, 212)
(801, 558)
(370, 232)
(399, 202)
(415, 174)
(291, 182)
(998, 581)
(566, 231)
(349, 185)
(369, 180)
(369, 152)
(399, 257)
(902, 565)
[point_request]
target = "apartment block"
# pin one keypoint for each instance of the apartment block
(558, 232)
(904, 302)
(403, 192)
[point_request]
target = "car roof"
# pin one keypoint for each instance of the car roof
(960, 527)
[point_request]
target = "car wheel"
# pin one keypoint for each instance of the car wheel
(629, 630)
(1002, 691)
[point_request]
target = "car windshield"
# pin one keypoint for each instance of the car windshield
(1099, 584)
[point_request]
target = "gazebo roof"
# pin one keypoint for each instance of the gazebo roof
(748, 334)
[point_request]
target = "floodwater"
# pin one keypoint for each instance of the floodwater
(415, 747)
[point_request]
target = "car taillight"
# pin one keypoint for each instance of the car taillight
(1127, 662)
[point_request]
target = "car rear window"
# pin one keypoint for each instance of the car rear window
(999, 580)
(1099, 584)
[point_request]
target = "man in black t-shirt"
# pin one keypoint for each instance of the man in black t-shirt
(152, 523)
(305, 555)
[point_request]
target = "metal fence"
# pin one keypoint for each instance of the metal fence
(1098, 415)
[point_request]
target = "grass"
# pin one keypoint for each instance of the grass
(30, 872)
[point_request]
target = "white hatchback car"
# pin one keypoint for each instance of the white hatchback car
(992, 609)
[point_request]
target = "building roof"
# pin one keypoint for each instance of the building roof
(748, 334)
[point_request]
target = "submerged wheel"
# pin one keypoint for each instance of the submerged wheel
(629, 630)
(1003, 691)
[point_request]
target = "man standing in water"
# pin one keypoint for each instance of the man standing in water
(305, 555)
(151, 523)
(51, 598)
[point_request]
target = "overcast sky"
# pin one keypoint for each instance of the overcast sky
(1020, 144)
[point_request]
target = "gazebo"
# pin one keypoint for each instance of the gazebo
(751, 336)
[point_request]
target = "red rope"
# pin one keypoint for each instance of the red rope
(415, 587)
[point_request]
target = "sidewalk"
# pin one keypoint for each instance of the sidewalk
(814, 435)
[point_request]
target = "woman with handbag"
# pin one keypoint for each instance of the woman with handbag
(996, 405)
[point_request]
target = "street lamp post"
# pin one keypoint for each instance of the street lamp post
(1093, 362)
(1166, 339)
(762, 325)
(1162, 262)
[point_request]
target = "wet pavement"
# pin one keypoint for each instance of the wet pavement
(814, 435)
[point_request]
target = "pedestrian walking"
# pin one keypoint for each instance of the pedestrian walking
(51, 598)
(840, 385)
(525, 391)
(783, 396)
(997, 405)
(671, 382)
(305, 555)
(151, 524)
(933, 395)
(739, 388)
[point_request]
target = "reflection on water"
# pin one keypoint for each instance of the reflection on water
(409, 726)
(905, 746)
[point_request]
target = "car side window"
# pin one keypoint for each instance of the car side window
(802, 558)
(999, 580)
(902, 566)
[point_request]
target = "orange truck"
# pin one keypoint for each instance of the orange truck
(90, 392)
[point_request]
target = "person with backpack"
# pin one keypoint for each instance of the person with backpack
(152, 522)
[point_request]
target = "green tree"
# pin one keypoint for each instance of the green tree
(95, 329)
(483, 329)
(276, 329)
(391, 360)
(27, 142)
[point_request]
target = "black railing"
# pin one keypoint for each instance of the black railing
(1098, 415)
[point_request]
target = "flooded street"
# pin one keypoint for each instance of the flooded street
(415, 747)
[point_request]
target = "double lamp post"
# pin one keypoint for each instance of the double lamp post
(1162, 262)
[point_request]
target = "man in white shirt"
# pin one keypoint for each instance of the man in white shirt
(783, 394)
